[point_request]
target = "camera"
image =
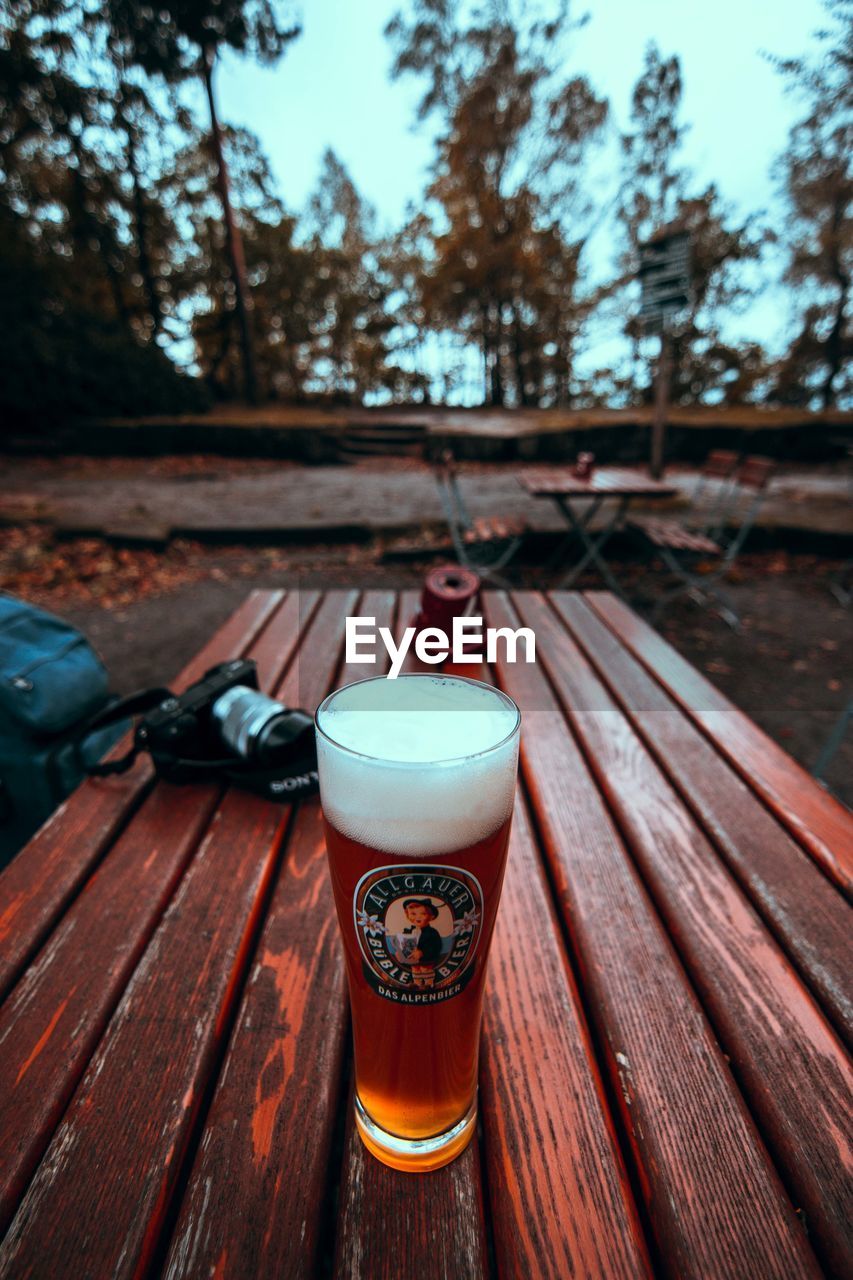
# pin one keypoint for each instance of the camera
(221, 727)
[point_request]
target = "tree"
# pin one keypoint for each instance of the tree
(201, 264)
(816, 181)
(321, 285)
(80, 157)
(149, 148)
(352, 339)
(651, 184)
(180, 38)
(655, 196)
(720, 250)
(55, 174)
(404, 257)
(73, 308)
(510, 210)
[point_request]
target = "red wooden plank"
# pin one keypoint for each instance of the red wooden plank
(803, 909)
(275, 649)
(793, 1070)
(51, 1023)
(393, 1224)
(443, 1212)
(408, 609)
(821, 824)
(544, 1066)
(97, 1202)
(99, 1199)
(714, 1199)
(254, 1193)
(549, 1140)
(252, 1205)
(381, 605)
(54, 1018)
(38, 884)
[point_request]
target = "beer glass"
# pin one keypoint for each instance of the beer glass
(417, 779)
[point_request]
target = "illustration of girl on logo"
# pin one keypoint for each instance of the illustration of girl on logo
(420, 945)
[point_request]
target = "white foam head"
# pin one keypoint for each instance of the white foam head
(418, 766)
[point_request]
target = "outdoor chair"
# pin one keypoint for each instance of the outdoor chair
(714, 496)
(485, 544)
(716, 528)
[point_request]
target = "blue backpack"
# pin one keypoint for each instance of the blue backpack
(51, 682)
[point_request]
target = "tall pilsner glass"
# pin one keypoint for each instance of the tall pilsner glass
(417, 778)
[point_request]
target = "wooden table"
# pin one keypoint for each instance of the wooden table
(664, 1086)
(616, 486)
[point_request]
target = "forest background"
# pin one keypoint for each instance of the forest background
(150, 263)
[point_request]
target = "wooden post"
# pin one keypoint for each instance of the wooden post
(664, 377)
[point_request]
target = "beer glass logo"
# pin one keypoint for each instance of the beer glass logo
(418, 929)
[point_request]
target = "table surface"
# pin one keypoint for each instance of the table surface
(664, 1087)
(618, 482)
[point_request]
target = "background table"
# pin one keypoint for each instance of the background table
(616, 485)
(664, 1085)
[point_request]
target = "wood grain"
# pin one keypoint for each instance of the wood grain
(52, 1021)
(99, 1199)
(802, 908)
(714, 1199)
(549, 1141)
(39, 883)
(253, 1172)
(409, 607)
(622, 482)
(51, 1024)
(393, 1224)
(97, 1202)
(669, 533)
(820, 823)
(381, 605)
(792, 1068)
(547, 1131)
(252, 1204)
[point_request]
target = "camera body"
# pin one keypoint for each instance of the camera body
(223, 727)
(181, 732)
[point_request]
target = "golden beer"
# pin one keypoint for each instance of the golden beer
(417, 840)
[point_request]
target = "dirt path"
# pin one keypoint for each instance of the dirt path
(217, 499)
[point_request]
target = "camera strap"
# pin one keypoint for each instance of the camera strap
(133, 704)
(284, 786)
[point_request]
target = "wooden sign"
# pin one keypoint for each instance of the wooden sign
(665, 281)
(664, 275)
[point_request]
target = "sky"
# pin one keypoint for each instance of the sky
(332, 89)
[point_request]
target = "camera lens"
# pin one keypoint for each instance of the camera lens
(245, 717)
(256, 727)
